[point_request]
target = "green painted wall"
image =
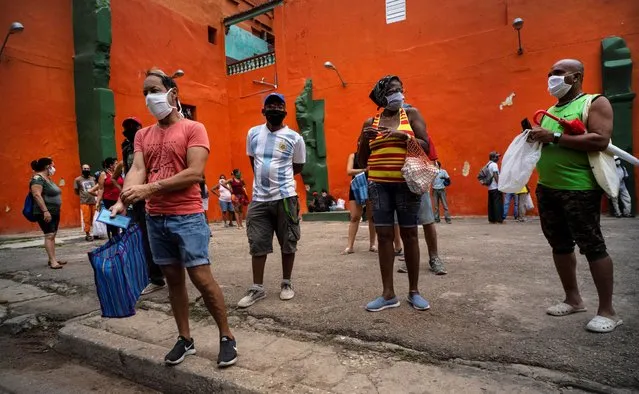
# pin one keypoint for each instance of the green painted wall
(617, 87)
(310, 119)
(94, 103)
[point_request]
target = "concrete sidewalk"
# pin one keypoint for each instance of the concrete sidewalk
(275, 363)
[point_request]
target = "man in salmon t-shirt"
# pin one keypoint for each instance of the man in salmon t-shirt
(168, 165)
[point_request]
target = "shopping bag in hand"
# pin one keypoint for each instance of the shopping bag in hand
(418, 171)
(359, 186)
(518, 163)
(120, 272)
(99, 228)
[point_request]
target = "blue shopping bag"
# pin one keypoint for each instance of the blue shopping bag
(120, 272)
(359, 186)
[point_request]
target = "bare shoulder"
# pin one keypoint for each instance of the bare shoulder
(601, 103)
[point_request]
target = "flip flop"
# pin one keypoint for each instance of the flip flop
(373, 249)
(57, 267)
(62, 262)
(563, 309)
(348, 251)
(601, 324)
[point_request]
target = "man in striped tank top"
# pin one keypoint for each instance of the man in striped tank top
(382, 150)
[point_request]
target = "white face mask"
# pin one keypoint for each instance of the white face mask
(51, 171)
(557, 86)
(395, 101)
(158, 104)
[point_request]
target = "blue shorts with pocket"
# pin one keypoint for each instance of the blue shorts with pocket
(390, 199)
(179, 239)
(226, 206)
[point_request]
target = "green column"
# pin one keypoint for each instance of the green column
(94, 103)
(617, 87)
(310, 120)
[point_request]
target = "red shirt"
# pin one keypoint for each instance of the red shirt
(164, 153)
(111, 192)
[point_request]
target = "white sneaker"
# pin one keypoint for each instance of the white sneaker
(150, 288)
(287, 291)
(253, 295)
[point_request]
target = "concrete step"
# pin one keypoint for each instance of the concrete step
(268, 362)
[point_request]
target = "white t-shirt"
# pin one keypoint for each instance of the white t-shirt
(274, 153)
(494, 168)
(225, 194)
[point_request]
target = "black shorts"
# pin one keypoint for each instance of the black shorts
(569, 217)
(52, 226)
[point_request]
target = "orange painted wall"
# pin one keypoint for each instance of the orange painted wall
(173, 35)
(458, 62)
(38, 116)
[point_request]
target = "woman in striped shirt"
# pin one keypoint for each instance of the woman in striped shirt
(382, 149)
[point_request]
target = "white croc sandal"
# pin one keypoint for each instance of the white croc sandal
(602, 324)
(563, 309)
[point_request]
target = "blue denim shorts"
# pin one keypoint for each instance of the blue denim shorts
(179, 239)
(425, 215)
(390, 199)
(226, 206)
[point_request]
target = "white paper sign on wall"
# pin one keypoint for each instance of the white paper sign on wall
(395, 11)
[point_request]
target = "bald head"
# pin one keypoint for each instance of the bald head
(570, 65)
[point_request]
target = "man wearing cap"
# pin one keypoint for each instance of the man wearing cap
(277, 154)
(131, 126)
(495, 197)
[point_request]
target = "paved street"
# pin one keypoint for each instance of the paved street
(489, 308)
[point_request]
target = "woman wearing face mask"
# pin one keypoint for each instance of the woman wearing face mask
(110, 185)
(382, 149)
(47, 197)
(239, 196)
(223, 191)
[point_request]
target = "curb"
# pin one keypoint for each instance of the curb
(142, 363)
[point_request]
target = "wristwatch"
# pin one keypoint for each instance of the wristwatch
(556, 138)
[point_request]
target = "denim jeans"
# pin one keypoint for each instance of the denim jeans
(179, 239)
(507, 198)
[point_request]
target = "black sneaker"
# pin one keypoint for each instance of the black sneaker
(181, 349)
(228, 352)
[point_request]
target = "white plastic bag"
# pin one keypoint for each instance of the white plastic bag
(528, 204)
(518, 163)
(99, 228)
(602, 163)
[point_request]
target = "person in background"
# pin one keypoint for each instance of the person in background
(223, 192)
(47, 198)
(624, 195)
(508, 197)
(495, 197)
(110, 187)
(356, 210)
(82, 187)
(168, 165)
(442, 180)
(522, 198)
(239, 196)
(204, 194)
(131, 126)
(382, 149)
(277, 154)
(321, 202)
(569, 196)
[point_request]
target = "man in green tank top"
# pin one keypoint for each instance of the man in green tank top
(569, 198)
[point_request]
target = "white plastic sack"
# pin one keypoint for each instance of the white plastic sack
(529, 203)
(341, 204)
(99, 228)
(602, 163)
(518, 163)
